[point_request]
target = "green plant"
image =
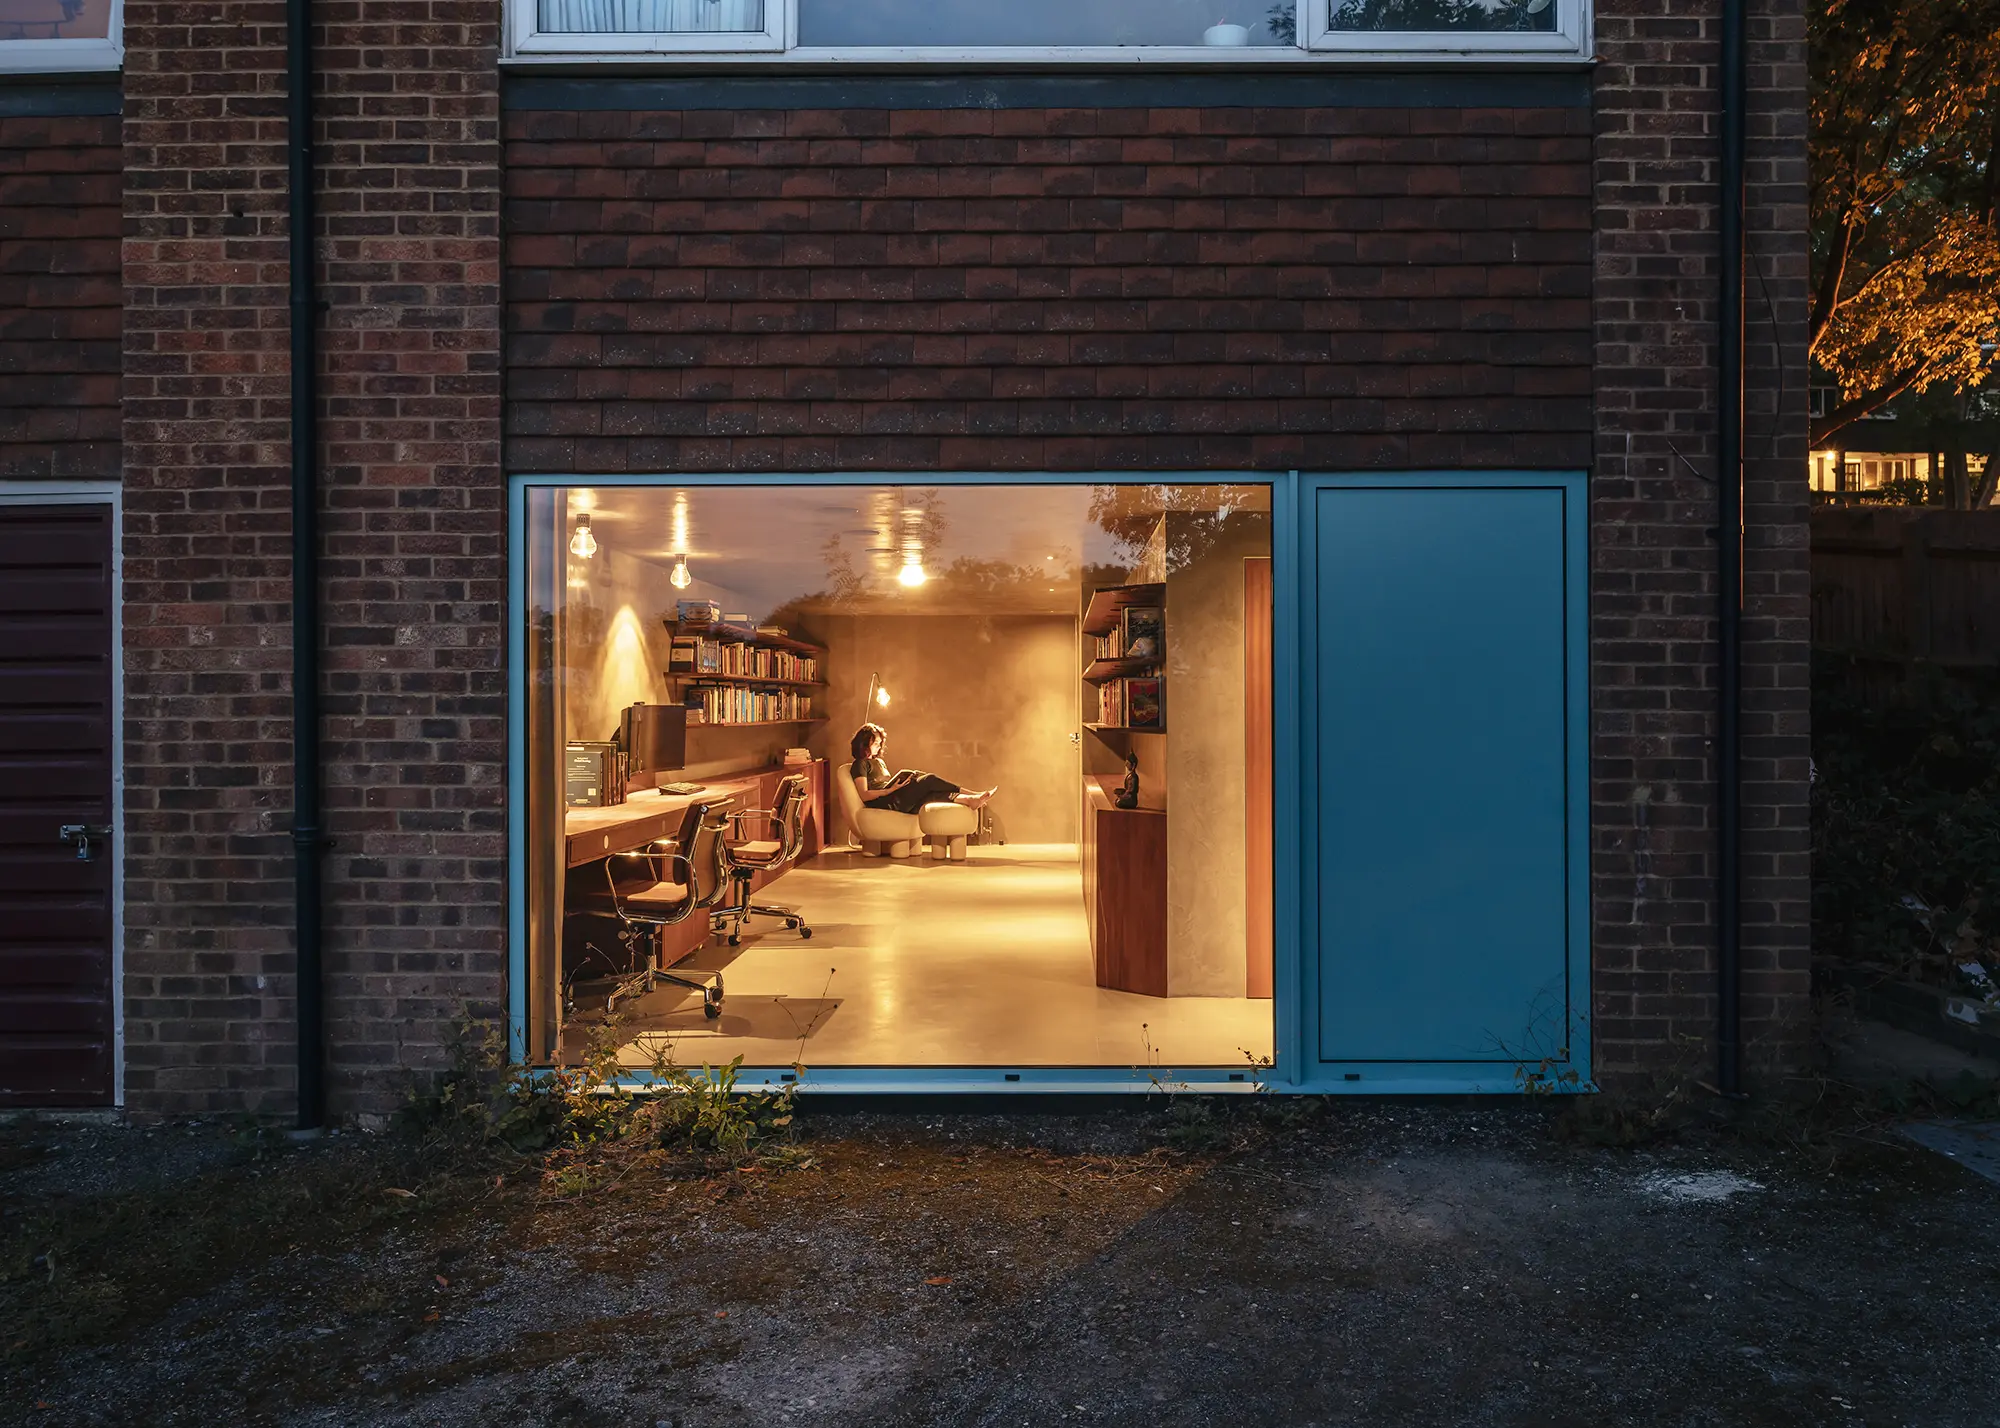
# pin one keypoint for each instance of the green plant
(704, 1111)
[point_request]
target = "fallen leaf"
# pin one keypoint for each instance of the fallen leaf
(722, 1313)
(432, 1317)
(400, 1194)
(938, 1279)
(443, 1283)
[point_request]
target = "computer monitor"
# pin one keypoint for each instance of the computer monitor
(654, 737)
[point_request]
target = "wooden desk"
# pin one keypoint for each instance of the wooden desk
(592, 834)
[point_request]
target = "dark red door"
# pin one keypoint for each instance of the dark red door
(56, 657)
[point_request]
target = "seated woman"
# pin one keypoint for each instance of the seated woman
(904, 792)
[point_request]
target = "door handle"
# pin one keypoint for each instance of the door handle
(79, 836)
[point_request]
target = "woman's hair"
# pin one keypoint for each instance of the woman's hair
(864, 738)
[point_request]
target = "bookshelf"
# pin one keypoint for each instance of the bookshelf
(739, 667)
(1127, 625)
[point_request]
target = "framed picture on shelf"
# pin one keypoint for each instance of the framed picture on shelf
(1143, 709)
(1145, 632)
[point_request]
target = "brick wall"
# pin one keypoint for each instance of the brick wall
(1048, 288)
(1653, 581)
(414, 576)
(59, 297)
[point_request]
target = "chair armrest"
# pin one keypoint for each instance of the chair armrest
(769, 815)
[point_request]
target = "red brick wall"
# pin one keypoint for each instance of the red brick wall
(1653, 581)
(1053, 288)
(59, 297)
(414, 573)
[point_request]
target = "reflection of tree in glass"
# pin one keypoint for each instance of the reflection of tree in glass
(1283, 20)
(1490, 15)
(1131, 515)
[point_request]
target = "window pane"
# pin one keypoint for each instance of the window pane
(1076, 868)
(959, 23)
(648, 17)
(55, 19)
(1498, 16)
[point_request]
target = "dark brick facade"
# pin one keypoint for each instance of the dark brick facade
(969, 289)
(59, 298)
(1653, 595)
(415, 562)
(1263, 286)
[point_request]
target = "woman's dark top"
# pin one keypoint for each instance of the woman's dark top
(911, 797)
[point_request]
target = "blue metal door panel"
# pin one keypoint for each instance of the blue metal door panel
(1444, 740)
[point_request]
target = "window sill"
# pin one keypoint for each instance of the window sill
(1006, 60)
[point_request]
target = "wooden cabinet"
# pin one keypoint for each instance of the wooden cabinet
(1124, 855)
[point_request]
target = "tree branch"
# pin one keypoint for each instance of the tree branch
(1851, 411)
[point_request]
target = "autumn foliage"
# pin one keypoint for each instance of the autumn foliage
(1905, 160)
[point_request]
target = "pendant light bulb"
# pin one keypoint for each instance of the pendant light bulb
(882, 697)
(583, 545)
(680, 578)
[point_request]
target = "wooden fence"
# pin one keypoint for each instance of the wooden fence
(1900, 584)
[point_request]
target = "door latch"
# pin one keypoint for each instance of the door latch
(79, 836)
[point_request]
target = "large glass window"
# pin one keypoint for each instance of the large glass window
(58, 35)
(899, 776)
(1247, 31)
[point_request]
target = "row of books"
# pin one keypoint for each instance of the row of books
(1132, 703)
(733, 704)
(1140, 634)
(691, 654)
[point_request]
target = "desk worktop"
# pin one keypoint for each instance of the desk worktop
(593, 833)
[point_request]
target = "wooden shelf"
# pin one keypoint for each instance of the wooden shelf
(752, 724)
(1102, 669)
(745, 635)
(1122, 728)
(1100, 617)
(745, 679)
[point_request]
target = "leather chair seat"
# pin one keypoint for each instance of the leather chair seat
(653, 895)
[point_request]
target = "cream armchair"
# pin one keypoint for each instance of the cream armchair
(880, 830)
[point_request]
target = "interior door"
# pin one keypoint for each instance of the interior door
(1447, 882)
(57, 850)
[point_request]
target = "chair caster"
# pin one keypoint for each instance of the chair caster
(806, 933)
(735, 939)
(712, 1010)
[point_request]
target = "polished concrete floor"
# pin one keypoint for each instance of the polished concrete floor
(920, 963)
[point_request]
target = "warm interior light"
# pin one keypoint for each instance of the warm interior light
(583, 545)
(912, 574)
(680, 578)
(882, 697)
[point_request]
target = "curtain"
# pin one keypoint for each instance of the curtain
(651, 17)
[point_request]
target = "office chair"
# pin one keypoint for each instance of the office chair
(744, 858)
(674, 880)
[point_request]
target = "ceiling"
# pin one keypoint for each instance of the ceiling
(995, 549)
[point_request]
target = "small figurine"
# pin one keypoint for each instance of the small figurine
(1128, 791)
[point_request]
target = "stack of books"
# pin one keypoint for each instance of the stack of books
(1132, 703)
(692, 654)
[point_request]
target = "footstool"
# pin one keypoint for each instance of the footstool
(946, 827)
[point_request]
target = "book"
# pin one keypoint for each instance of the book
(1143, 709)
(697, 612)
(1143, 632)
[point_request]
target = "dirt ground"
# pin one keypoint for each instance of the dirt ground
(1358, 1263)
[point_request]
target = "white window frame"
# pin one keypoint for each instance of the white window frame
(1318, 45)
(68, 56)
(1571, 36)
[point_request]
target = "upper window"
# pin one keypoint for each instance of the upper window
(58, 36)
(1239, 30)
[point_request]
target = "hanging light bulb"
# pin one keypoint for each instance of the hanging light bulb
(583, 545)
(912, 574)
(882, 697)
(680, 578)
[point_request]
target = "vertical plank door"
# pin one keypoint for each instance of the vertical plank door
(56, 653)
(1447, 731)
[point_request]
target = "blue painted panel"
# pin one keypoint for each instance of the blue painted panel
(1441, 626)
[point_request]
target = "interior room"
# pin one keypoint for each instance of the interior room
(899, 776)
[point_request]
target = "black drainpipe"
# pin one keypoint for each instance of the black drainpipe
(306, 833)
(1729, 566)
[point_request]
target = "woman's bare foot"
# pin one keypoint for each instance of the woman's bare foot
(978, 799)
